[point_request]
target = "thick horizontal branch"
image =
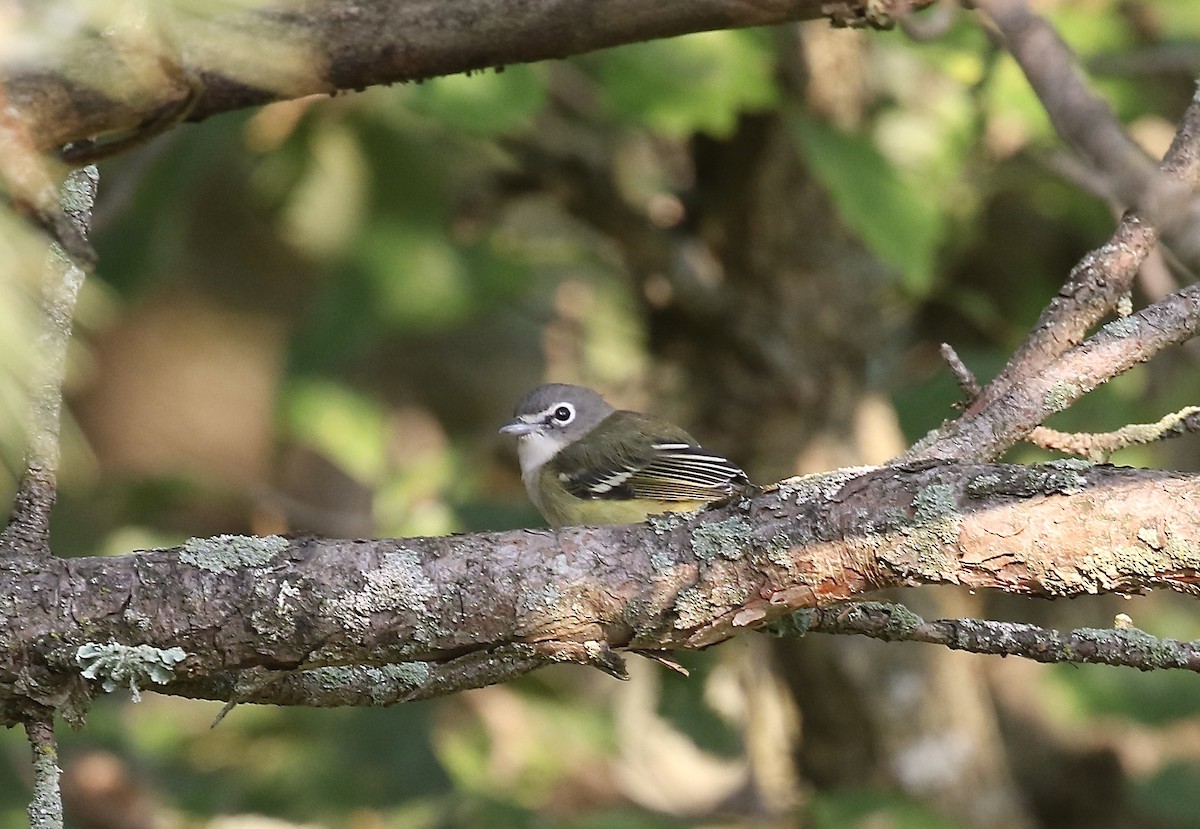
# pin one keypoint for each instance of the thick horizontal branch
(116, 79)
(228, 617)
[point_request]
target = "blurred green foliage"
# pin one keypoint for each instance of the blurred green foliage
(406, 279)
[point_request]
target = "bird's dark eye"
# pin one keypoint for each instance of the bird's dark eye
(564, 414)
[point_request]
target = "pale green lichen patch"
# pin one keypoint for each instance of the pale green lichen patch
(820, 485)
(934, 503)
(1061, 395)
(934, 527)
(901, 621)
(229, 552)
(724, 539)
(1161, 549)
(1124, 327)
(127, 665)
(1072, 464)
(983, 486)
(399, 583)
(385, 684)
(886, 520)
(1140, 646)
(779, 550)
(1064, 476)
(665, 523)
(662, 560)
(793, 625)
(1061, 477)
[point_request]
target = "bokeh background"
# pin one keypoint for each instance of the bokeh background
(312, 317)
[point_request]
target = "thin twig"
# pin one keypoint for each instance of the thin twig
(965, 377)
(45, 808)
(1120, 645)
(29, 526)
(1099, 446)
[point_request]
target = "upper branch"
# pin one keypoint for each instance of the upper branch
(112, 82)
(468, 610)
(1083, 119)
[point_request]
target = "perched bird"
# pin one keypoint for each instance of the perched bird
(585, 462)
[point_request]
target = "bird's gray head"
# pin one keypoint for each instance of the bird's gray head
(547, 420)
(557, 414)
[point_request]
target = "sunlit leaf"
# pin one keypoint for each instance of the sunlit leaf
(698, 83)
(483, 103)
(896, 219)
(346, 427)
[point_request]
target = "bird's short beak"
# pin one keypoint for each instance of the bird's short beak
(517, 427)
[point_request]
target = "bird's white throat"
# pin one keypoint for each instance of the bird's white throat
(533, 450)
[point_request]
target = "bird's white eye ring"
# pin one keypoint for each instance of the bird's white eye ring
(564, 413)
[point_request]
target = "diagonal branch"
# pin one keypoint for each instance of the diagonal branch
(1083, 119)
(1038, 381)
(1116, 348)
(1086, 123)
(1164, 197)
(1097, 447)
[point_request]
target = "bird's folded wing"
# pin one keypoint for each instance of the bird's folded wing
(667, 471)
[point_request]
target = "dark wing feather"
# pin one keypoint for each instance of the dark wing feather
(659, 461)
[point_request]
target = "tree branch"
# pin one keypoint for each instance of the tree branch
(1115, 349)
(229, 617)
(1051, 370)
(1099, 447)
(1123, 646)
(29, 526)
(1081, 118)
(192, 61)
(45, 809)
(1096, 447)
(1086, 123)
(1096, 284)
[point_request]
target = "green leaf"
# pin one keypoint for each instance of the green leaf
(344, 426)
(899, 222)
(698, 83)
(852, 808)
(483, 103)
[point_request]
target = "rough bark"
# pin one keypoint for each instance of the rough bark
(479, 602)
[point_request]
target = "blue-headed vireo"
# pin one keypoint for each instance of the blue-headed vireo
(585, 462)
